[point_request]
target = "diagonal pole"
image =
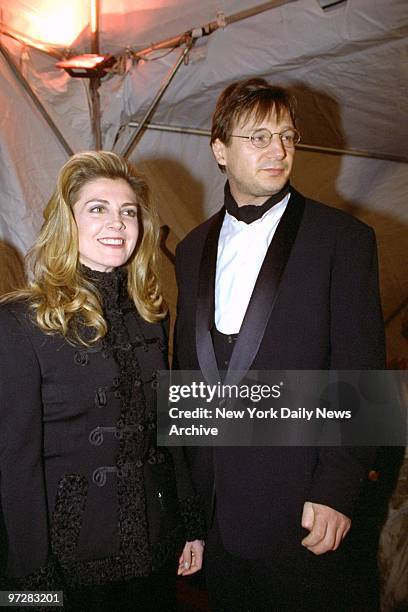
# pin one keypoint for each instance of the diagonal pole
(157, 99)
(95, 82)
(26, 86)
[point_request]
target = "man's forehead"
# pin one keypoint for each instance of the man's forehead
(252, 122)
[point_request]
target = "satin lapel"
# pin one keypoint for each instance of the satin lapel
(265, 291)
(206, 302)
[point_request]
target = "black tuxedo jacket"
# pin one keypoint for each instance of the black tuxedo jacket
(315, 305)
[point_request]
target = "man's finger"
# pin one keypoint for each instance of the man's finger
(328, 529)
(324, 544)
(307, 516)
(318, 531)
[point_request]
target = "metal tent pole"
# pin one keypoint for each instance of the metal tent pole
(301, 146)
(26, 86)
(156, 100)
(210, 27)
(95, 82)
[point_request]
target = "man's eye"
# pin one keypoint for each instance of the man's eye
(261, 139)
(288, 137)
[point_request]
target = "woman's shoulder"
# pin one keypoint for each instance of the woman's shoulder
(16, 317)
(15, 308)
(149, 328)
(17, 331)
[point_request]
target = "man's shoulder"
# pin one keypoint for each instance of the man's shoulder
(329, 216)
(195, 239)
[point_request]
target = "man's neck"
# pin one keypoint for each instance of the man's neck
(249, 212)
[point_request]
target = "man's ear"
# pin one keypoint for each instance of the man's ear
(218, 148)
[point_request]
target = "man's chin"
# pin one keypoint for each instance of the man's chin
(272, 188)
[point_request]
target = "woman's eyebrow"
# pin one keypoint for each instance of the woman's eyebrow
(102, 201)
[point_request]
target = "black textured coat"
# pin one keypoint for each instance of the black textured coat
(86, 495)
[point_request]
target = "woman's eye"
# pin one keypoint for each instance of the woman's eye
(130, 212)
(97, 209)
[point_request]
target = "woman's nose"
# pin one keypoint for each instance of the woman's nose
(116, 222)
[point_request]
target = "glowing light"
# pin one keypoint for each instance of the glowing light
(94, 16)
(88, 65)
(88, 60)
(55, 22)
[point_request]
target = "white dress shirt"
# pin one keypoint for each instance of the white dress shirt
(241, 250)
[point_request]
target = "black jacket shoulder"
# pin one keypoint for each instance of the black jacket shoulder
(315, 212)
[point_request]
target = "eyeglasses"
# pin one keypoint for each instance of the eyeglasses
(261, 138)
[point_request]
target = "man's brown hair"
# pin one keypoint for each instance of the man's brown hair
(253, 98)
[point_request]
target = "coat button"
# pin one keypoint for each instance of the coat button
(81, 358)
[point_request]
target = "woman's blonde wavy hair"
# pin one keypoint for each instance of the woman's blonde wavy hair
(61, 297)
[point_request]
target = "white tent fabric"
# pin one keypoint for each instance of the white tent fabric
(348, 67)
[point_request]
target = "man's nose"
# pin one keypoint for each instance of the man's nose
(275, 147)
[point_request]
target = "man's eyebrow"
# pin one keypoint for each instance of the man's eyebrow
(284, 126)
(254, 128)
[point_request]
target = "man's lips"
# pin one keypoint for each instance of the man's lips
(273, 170)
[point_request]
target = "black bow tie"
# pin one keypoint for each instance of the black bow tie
(251, 212)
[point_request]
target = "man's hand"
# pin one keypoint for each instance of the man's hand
(327, 527)
(191, 559)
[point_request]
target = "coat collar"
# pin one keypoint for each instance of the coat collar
(206, 302)
(262, 301)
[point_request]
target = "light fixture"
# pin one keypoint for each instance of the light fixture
(88, 66)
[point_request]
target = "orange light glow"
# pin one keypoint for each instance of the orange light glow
(88, 60)
(56, 22)
(94, 17)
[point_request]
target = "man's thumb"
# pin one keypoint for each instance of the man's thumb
(308, 516)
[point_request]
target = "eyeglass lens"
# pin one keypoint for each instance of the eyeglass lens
(262, 138)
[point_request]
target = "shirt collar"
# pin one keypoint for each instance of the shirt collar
(250, 213)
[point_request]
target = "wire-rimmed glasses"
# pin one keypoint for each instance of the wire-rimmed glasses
(262, 137)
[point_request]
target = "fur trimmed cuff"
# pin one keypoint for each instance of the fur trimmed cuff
(45, 578)
(193, 518)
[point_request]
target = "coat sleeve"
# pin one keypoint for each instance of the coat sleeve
(22, 483)
(357, 328)
(178, 326)
(357, 343)
(190, 504)
(187, 269)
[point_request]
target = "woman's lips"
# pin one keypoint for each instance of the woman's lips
(115, 243)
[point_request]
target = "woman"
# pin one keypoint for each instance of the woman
(90, 504)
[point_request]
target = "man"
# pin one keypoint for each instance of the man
(275, 281)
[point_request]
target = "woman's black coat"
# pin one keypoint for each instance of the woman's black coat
(86, 495)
